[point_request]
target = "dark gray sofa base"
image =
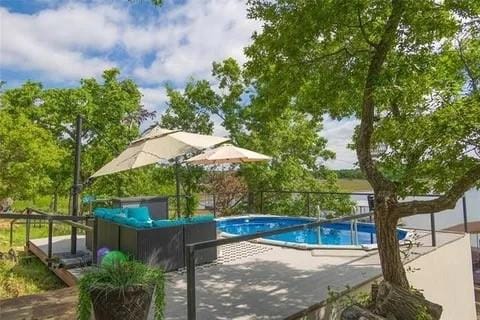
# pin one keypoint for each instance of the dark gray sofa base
(163, 246)
(201, 232)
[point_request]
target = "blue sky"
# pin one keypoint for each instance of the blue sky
(59, 42)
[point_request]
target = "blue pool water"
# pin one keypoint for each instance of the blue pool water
(328, 234)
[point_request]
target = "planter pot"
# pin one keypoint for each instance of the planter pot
(133, 304)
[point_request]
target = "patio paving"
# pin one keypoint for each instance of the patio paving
(281, 283)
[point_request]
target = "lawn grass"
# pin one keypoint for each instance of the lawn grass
(354, 185)
(41, 203)
(28, 275)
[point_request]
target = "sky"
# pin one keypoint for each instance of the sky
(59, 42)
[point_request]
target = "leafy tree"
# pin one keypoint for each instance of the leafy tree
(407, 69)
(112, 115)
(28, 153)
(297, 158)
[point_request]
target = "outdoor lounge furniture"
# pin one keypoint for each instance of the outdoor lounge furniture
(157, 206)
(161, 242)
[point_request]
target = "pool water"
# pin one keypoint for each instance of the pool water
(329, 234)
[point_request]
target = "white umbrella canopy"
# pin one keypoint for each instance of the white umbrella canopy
(155, 145)
(227, 154)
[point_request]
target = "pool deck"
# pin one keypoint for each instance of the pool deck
(281, 283)
(257, 281)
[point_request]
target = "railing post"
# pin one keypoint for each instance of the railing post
(27, 228)
(50, 234)
(465, 222)
(94, 241)
(432, 225)
(191, 303)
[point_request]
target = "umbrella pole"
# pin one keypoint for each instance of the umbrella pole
(76, 182)
(177, 185)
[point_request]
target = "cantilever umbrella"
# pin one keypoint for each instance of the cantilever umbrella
(155, 145)
(227, 153)
(159, 144)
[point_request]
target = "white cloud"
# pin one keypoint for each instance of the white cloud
(55, 41)
(154, 99)
(339, 135)
(72, 40)
(190, 37)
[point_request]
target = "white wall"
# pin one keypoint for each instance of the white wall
(443, 219)
(449, 218)
(446, 277)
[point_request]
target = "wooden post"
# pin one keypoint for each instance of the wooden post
(50, 234)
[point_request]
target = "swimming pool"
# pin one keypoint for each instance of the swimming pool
(332, 235)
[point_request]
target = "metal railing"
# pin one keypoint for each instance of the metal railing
(191, 248)
(34, 214)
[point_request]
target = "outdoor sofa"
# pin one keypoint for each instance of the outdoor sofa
(160, 242)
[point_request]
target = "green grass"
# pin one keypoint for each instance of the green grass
(29, 275)
(41, 203)
(354, 185)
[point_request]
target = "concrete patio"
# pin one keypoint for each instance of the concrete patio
(281, 283)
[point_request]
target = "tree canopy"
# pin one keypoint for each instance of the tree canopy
(45, 119)
(407, 69)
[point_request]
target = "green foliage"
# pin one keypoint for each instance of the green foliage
(28, 154)
(28, 275)
(120, 277)
(289, 136)
(314, 57)
(350, 174)
(337, 301)
(37, 135)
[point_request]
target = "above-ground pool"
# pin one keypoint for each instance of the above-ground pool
(331, 235)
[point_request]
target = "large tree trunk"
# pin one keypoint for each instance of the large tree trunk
(388, 245)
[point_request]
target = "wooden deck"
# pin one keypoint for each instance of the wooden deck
(61, 245)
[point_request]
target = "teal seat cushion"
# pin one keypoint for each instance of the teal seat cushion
(140, 214)
(167, 223)
(99, 212)
(109, 213)
(199, 218)
(120, 218)
(138, 224)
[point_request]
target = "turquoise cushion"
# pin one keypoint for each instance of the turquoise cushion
(120, 218)
(138, 224)
(140, 213)
(200, 218)
(99, 212)
(167, 223)
(108, 213)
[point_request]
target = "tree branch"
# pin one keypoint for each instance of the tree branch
(444, 202)
(362, 29)
(364, 153)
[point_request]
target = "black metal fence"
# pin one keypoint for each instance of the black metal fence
(192, 248)
(30, 215)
